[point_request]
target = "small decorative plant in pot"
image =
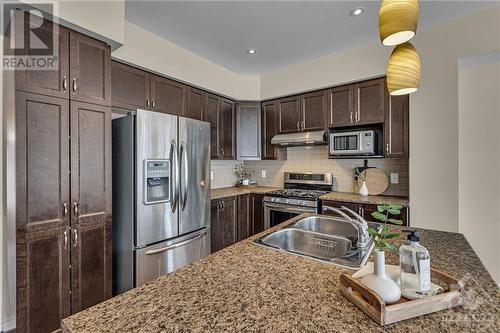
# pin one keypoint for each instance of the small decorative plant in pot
(363, 189)
(243, 174)
(387, 289)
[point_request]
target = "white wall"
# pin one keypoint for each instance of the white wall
(479, 157)
(144, 49)
(433, 109)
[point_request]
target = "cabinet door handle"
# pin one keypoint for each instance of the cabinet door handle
(303, 125)
(75, 208)
(65, 83)
(350, 117)
(223, 205)
(358, 117)
(147, 102)
(65, 238)
(65, 209)
(152, 103)
(387, 148)
(298, 126)
(74, 86)
(75, 234)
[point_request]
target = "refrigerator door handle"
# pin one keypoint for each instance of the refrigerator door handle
(174, 186)
(184, 170)
(176, 245)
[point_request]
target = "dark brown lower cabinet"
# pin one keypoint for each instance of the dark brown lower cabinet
(43, 279)
(365, 210)
(91, 280)
(235, 218)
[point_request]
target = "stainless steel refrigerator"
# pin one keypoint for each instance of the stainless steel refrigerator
(161, 196)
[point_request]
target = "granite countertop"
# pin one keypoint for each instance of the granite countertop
(248, 288)
(232, 191)
(371, 199)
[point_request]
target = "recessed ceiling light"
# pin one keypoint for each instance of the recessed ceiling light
(251, 51)
(357, 11)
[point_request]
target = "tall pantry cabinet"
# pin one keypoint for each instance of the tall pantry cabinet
(63, 183)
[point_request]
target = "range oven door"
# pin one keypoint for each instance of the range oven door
(275, 214)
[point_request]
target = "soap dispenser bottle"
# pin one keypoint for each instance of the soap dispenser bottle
(415, 264)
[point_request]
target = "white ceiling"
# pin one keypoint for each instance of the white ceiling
(282, 32)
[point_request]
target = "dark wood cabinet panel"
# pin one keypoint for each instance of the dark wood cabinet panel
(212, 108)
(43, 279)
(90, 162)
(396, 127)
(195, 103)
(228, 222)
(257, 211)
(167, 96)
(215, 244)
(314, 111)
(366, 211)
(289, 115)
(370, 101)
(47, 82)
(130, 87)
(90, 70)
(42, 161)
(341, 106)
(91, 264)
(227, 128)
(244, 229)
(269, 124)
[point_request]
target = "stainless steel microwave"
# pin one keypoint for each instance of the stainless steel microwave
(362, 142)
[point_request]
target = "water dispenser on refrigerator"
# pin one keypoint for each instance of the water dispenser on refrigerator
(156, 181)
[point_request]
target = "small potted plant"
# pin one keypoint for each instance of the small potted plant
(243, 174)
(378, 281)
(363, 189)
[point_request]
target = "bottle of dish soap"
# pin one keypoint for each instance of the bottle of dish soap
(415, 264)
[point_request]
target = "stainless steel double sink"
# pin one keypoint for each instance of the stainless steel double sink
(325, 238)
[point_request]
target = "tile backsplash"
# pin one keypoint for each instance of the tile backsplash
(312, 159)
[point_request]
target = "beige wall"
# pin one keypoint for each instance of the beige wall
(479, 158)
(151, 52)
(433, 109)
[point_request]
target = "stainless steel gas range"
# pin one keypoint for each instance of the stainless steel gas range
(300, 195)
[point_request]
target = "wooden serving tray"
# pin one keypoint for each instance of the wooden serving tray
(371, 303)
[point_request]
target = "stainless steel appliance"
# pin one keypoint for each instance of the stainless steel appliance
(161, 195)
(300, 139)
(361, 142)
(300, 195)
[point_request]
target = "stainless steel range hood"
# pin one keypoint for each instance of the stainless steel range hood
(300, 139)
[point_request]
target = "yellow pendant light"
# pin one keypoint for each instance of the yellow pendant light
(397, 21)
(403, 70)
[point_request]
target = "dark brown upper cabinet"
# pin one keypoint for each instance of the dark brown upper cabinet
(46, 82)
(90, 163)
(195, 103)
(341, 106)
(168, 96)
(130, 87)
(90, 69)
(371, 99)
(212, 110)
(43, 280)
(313, 112)
(269, 122)
(42, 162)
(91, 265)
(289, 120)
(227, 138)
(396, 127)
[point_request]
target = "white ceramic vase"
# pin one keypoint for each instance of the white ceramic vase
(386, 288)
(363, 190)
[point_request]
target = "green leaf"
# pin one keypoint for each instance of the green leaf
(390, 236)
(391, 247)
(379, 216)
(394, 221)
(395, 206)
(394, 211)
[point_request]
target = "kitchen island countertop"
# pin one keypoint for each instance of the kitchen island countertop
(247, 288)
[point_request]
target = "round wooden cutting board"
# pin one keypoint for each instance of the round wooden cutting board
(376, 181)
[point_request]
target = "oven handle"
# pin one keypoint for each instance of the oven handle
(289, 208)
